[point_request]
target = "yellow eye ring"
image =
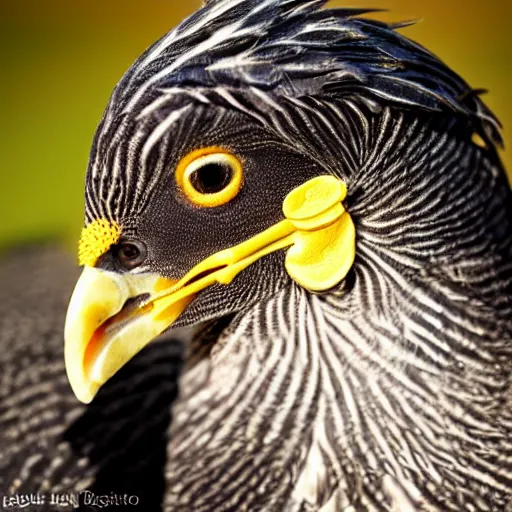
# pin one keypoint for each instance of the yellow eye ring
(210, 176)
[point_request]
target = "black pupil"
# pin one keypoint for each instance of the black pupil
(129, 252)
(211, 178)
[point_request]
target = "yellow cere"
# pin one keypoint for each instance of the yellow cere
(96, 240)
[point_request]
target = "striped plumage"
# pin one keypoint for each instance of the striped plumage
(390, 391)
(399, 379)
(260, 59)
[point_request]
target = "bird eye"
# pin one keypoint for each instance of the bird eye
(130, 254)
(210, 176)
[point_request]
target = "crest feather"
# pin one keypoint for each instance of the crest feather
(295, 48)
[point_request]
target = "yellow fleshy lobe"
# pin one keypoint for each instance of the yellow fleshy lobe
(96, 240)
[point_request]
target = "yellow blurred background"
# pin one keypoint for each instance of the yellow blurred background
(61, 59)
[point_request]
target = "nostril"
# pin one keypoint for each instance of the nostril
(126, 314)
(134, 302)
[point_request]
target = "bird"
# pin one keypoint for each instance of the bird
(323, 200)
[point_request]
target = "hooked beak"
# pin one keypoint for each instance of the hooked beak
(109, 320)
(111, 316)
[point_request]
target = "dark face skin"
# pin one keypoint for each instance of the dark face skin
(177, 234)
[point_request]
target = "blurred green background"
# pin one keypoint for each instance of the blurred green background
(61, 59)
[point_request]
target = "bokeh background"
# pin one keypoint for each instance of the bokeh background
(60, 60)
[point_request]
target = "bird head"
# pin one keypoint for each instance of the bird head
(233, 215)
(227, 163)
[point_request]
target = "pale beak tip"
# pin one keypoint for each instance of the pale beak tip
(83, 389)
(86, 396)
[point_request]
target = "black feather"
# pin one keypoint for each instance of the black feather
(275, 44)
